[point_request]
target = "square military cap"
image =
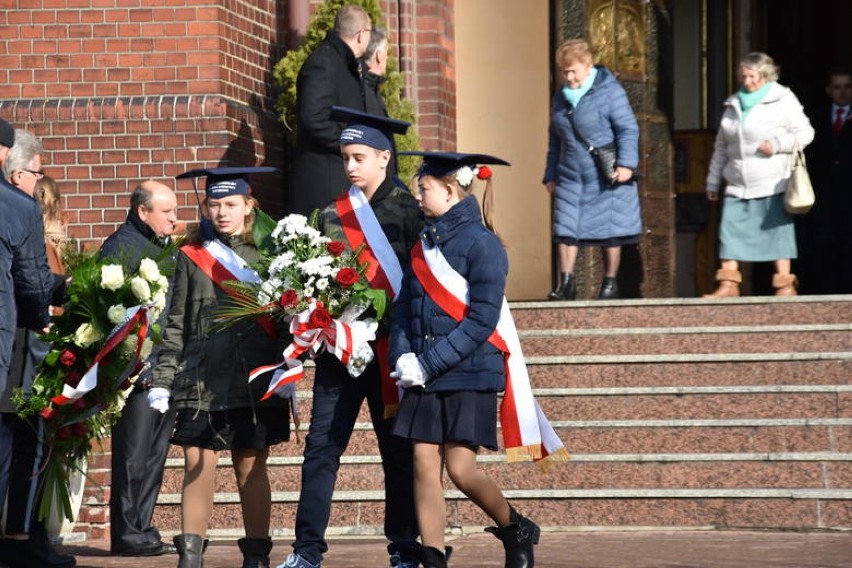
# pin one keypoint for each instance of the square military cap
(227, 181)
(439, 164)
(368, 129)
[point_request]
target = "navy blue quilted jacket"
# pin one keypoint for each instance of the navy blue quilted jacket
(26, 282)
(456, 355)
(583, 207)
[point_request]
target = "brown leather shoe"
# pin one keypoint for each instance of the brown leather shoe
(785, 284)
(729, 284)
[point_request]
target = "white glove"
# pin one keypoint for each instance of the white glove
(284, 391)
(158, 399)
(409, 372)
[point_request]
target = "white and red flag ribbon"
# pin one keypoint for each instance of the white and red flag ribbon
(527, 434)
(136, 316)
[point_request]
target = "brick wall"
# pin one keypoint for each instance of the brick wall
(122, 91)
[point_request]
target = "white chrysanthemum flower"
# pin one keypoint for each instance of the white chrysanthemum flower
(140, 288)
(86, 335)
(112, 277)
(464, 176)
(116, 314)
(318, 266)
(282, 261)
(149, 270)
(322, 284)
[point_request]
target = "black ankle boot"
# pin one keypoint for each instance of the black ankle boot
(431, 557)
(518, 538)
(191, 549)
(255, 552)
(567, 289)
(609, 289)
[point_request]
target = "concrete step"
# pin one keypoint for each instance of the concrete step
(675, 312)
(691, 340)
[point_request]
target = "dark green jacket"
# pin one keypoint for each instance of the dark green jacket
(205, 368)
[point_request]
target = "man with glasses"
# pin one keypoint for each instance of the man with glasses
(330, 76)
(25, 277)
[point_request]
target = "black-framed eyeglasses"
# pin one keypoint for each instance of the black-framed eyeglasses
(38, 173)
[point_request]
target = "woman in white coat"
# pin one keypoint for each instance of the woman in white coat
(762, 125)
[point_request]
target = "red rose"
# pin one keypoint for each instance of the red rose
(67, 358)
(335, 248)
(484, 172)
(72, 379)
(48, 412)
(347, 277)
(320, 318)
(288, 299)
(63, 433)
(79, 429)
(80, 404)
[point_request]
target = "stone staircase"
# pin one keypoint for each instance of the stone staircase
(679, 413)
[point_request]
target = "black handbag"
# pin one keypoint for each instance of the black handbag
(604, 156)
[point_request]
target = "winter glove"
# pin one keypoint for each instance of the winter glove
(158, 399)
(409, 373)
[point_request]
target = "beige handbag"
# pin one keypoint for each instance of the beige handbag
(799, 195)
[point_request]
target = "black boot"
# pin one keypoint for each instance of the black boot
(431, 557)
(255, 552)
(191, 549)
(518, 538)
(567, 289)
(609, 289)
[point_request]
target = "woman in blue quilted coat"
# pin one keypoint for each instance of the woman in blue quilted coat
(590, 209)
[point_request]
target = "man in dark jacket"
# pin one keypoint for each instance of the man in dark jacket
(140, 438)
(26, 289)
(331, 75)
(824, 235)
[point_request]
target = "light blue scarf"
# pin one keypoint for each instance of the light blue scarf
(748, 100)
(573, 96)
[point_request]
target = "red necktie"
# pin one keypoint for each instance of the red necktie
(838, 122)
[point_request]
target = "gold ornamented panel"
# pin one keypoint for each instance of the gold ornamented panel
(617, 35)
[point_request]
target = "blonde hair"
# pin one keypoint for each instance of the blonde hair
(196, 235)
(572, 51)
(763, 64)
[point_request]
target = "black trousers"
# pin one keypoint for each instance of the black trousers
(337, 399)
(21, 456)
(140, 443)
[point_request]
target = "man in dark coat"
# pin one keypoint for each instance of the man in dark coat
(140, 438)
(824, 235)
(27, 288)
(331, 75)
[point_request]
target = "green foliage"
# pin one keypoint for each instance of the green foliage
(286, 71)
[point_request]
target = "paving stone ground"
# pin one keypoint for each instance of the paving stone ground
(568, 549)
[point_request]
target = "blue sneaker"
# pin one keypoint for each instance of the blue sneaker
(296, 561)
(396, 561)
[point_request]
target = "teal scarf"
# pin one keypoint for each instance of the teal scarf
(573, 96)
(748, 100)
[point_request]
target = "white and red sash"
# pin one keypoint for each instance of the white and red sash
(221, 264)
(361, 227)
(527, 434)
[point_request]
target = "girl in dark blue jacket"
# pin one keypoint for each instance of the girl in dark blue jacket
(450, 371)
